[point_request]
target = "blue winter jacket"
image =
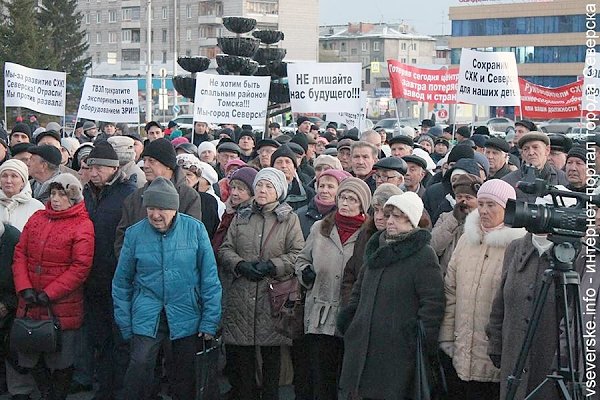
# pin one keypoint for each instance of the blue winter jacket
(175, 271)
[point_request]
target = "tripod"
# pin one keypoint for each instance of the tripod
(566, 284)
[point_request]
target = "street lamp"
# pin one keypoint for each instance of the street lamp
(149, 66)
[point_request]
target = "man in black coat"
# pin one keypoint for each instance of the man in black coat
(496, 152)
(104, 195)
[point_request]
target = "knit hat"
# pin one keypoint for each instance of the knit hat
(71, 144)
(360, 189)
(338, 174)
(410, 204)
(464, 131)
(49, 153)
(70, 185)
(300, 140)
(22, 128)
(103, 154)
(284, 151)
(250, 134)
(497, 190)
(87, 125)
(83, 152)
(123, 146)
(483, 162)
(234, 163)
(579, 152)
(383, 193)
(161, 194)
(324, 159)
(479, 139)
(459, 152)
(176, 141)
(208, 172)
(16, 165)
(425, 138)
(161, 150)
(245, 175)
(190, 162)
(276, 178)
(467, 184)
(207, 146)
(435, 131)
(301, 120)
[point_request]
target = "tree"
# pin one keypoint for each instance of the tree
(62, 22)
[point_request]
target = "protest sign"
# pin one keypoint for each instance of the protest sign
(324, 87)
(591, 84)
(354, 119)
(543, 102)
(109, 100)
(488, 78)
(421, 84)
(38, 90)
(231, 98)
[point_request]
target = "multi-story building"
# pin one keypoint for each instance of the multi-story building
(116, 30)
(548, 39)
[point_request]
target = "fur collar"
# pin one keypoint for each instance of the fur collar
(499, 238)
(391, 253)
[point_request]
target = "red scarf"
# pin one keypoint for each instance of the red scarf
(346, 226)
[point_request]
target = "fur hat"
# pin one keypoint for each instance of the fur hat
(70, 185)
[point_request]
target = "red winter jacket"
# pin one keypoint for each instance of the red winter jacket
(55, 255)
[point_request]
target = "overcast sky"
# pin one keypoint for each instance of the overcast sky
(427, 16)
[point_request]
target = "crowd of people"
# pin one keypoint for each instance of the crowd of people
(146, 249)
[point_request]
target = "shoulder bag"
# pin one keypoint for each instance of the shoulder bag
(29, 335)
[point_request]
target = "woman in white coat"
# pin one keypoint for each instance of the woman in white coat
(16, 201)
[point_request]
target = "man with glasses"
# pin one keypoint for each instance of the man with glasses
(390, 170)
(264, 148)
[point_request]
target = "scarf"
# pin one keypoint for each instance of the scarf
(322, 206)
(385, 239)
(488, 230)
(10, 203)
(346, 226)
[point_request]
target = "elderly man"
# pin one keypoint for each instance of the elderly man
(226, 151)
(535, 149)
(344, 153)
(521, 128)
(416, 171)
(375, 139)
(160, 160)
(166, 287)
(496, 152)
(559, 148)
(575, 169)
(265, 149)
(390, 170)
(401, 146)
(298, 193)
(363, 157)
(43, 166)
(104, 195)
(124, 147)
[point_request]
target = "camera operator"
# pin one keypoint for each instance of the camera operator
(535, 150)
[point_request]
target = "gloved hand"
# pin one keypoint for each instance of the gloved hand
(496, 360)
(265, 268)
(309, 275)
(42, 298)
(28, 295)
(460, 212)
(248, 271)
(448, 348)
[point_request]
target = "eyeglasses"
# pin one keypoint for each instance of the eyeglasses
(348, 199)
(385, 178)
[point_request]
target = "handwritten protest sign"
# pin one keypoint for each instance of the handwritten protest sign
(421, 84)
(38, 90)
(354, 119)
(591, 85)
(324, 87)
(231, 98)
(544, 102)
(109, 100)
(488, 78)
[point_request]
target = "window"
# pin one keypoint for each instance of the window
(164, 36)
(354, 51)
(130, 55)
(188, 53)
(98, 57)
(403, 46)
(403, 60)
(126, 35)
(98, 37)
(364, 46)
(165, 13)
(188, 34)
(375, 46)
(131, 14)
(413, 46)
(262, 7)
(188, 11)
(164, 57)
(86, 18)
(112, 16)
(343, 47)
(112, 37)
(99, 17)
(413, 60)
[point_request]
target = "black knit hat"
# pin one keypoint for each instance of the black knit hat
(579, 152)
(22, 128)
(163, 151)
(301, 140)
(103, 154)
(301, 119)
(284, 151)
(464, 131)
(248, 133)
(460, 151)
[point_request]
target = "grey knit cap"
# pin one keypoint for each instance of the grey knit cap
(161, 194)
(360, 189)
(383, 193)
(277, 179)
(123, 145)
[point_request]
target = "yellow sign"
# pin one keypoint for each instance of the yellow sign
(375, 67)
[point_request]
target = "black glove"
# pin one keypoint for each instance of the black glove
(265, 268)
(308, 275)
(42, 298)
(247, 270)
(28, 295)
(460, 212)
(496, 360)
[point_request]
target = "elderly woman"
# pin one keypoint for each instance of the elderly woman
(473, 276)
(207, 152)
(320, 267)
(51, 262)
(262, 243)
(399, 284)
(16, 201)
(223, 183)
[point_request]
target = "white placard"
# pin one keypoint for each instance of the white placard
(324, 87)
(487, 78)
(352, 119)
(35, 89)
(231, 99)
(591, 84)
(109, 100)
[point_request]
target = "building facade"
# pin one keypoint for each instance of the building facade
(548, 38)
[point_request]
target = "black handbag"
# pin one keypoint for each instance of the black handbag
(430, 379)
(29, 335)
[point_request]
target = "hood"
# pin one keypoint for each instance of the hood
(500, 238)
